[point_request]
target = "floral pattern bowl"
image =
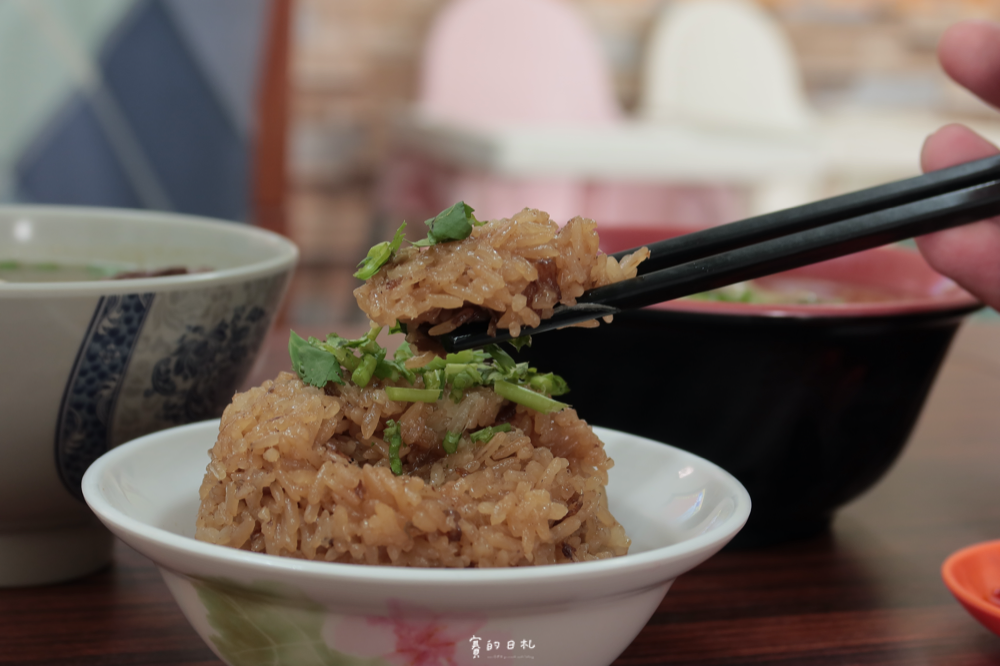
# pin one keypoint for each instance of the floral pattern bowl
(91, 362)
(253, 608)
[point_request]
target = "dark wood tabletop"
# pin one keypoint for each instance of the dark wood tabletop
(869, 592)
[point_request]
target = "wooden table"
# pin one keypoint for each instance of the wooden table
(870, 592)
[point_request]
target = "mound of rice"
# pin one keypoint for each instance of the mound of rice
(512, 271)
(304, 472)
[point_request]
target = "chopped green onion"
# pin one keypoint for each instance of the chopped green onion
(451, 440)
(403, 394)
(527, 397)
(486, 434)
(391, 433)
(363, 373)
(403, 352)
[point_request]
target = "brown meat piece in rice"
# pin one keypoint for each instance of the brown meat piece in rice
(304, 472)
(511, 271)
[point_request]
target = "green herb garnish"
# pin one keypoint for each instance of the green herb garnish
(311, 363)
(392, 435)
(450, 443)
(486, 434)
(453, 223)
(403, 394)
(527, 397)
(379, 255)
(318, 362)
(520, 341)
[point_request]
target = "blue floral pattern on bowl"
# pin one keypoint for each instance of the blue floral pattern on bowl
(150, 362)
(92, 390)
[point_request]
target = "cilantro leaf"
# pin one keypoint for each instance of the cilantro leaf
(520, 342)
(451, 224)
(313, 365)
(379, 255)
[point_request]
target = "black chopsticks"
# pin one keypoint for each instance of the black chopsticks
(780, 241)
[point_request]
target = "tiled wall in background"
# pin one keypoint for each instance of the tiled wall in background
(355, 61)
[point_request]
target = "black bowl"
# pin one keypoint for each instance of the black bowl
(808, 409)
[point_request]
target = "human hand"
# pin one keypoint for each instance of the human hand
(970, 54)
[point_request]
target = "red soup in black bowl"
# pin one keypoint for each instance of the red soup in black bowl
(804, 385)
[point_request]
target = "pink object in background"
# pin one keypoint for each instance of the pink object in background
(509, 62)
(504, 63)
(656, 205)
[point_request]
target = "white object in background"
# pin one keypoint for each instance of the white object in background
(726, 65)
(627, 151)
(722, 64)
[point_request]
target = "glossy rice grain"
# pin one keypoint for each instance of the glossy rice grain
(304, 472)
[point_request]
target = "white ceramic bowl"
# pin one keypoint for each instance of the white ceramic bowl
(91, 364)
(254, 608)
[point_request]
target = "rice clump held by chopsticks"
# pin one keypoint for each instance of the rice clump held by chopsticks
(304, 472)
(512, 271)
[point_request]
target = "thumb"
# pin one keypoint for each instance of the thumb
(970, 254)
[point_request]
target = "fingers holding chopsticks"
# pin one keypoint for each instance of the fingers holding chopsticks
(970, 254)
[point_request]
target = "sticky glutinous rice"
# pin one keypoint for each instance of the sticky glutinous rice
(330, 468)
(513, 271)
(304, 472)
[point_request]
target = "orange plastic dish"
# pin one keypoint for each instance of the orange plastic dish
(973, 576)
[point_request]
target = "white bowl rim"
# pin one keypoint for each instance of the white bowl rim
(286, 253)
(260, 562)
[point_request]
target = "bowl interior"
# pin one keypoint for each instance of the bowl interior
(884, 280)
(132, 239)
(665, 498)
(973, 576)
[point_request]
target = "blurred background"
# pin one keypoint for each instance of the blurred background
(333, 120)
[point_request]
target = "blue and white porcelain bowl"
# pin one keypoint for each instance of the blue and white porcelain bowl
(91, 363)
(254, 608)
